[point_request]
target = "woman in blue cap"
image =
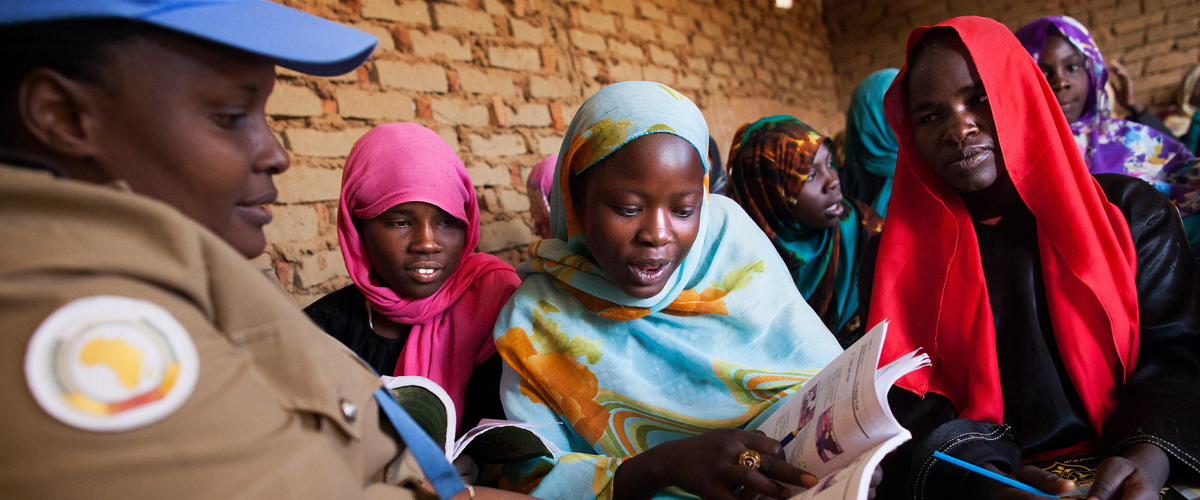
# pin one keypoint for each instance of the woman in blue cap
(145, 357)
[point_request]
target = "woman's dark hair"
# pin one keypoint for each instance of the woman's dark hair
(75, 48)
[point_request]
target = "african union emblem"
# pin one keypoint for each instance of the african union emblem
(110, 363)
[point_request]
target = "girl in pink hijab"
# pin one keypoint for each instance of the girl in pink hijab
(537, 187)
(423, 302)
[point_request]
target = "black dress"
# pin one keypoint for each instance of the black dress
(1159, 403)
(343, 315)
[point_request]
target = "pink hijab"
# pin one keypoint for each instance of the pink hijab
(538, 186)
(451, 329)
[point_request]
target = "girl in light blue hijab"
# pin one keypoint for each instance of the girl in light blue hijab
(659, 320)
(871, 146)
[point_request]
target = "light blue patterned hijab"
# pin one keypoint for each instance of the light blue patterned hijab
(727, 338)
(615, 115)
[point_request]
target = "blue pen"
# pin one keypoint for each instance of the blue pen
(992, 475)
(788, 438)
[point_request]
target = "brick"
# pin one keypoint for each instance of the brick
(388, 10)
(721, 68)
(462, 18)
(663, 57)
(495, 8)
(549, 56)
(689, 81)
(552, 87)
(439, 44)
(623, 7)
(683, 22)
(590, 42)
(489, 202)
(660, 75)
(673, 36)
(1146, 51)
(458, 112)
(334, 144)
(497, 145)
(386, 42)
(525, 32)
(499, 111)
(319, 267)
(309, 184)
(697, 64)
(289, 100)
(530, 115)
(731, 52)
(719, 18)
(651, 11)
(482, 81)
(627, 50)
(422, 77)
(1170, 61)
(522, 58)
(512, 201)
(483, 175)
(556, 116)
(549, 144)
(711, 30)
(625, 71)
(425, 108)
(354, 103)
(450, 136)
(1139, 23)
(640, 29)
(589, 67)
(293, 222)
(499, 235)
(596, 21)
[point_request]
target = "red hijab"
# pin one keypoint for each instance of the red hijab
(929, 278)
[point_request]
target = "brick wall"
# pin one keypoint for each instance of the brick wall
(1157, 40)
(500, 80)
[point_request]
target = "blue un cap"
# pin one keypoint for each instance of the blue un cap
(294, 39)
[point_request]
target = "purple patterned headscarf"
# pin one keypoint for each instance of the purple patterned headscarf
(1112, 144)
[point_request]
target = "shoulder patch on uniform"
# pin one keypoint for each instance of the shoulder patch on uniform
(109, 363)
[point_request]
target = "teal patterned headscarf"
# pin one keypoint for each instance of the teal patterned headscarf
(870, 142)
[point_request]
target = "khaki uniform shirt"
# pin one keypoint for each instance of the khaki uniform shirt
(279, 409)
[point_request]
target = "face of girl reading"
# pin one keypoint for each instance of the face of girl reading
(640, 209)
(414, 247)
(819, 203)
(1065, 69)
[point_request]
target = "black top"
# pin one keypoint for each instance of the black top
(1042, 411)
(343, 315)
(860, 184)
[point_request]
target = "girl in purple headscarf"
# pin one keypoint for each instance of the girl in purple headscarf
(1076, 71)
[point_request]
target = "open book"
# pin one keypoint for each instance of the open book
(838, 426)
(492, 442)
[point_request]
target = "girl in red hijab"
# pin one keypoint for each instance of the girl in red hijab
(1059, 307)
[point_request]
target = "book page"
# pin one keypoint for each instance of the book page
(428, 404)
(853, 481)
(503, 441)
(839, 414)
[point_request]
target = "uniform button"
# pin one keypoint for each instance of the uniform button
(349, 410)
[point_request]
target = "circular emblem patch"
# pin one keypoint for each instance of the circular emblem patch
(109, 363)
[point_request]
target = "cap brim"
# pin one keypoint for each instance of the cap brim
(294, 39)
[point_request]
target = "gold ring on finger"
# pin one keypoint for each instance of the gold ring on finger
(750, 458)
